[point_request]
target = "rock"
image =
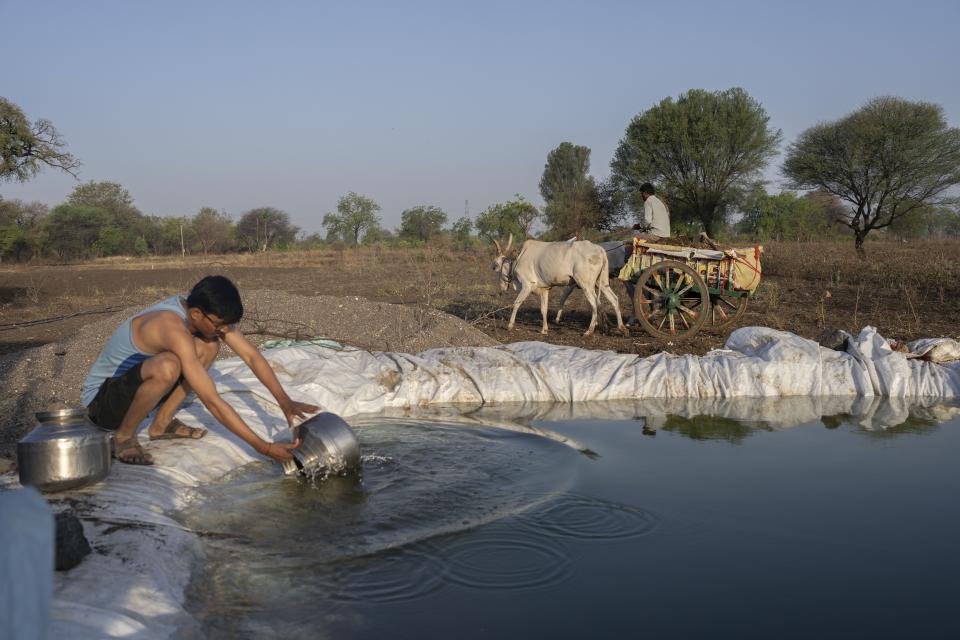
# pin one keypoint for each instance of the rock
(835, 339)
(71, 545)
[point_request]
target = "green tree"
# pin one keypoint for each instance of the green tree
(312, 241)
(377, 235)
(422, 223)
(10, 236)
(460, 231)
(886, 161)
(569, 191)
(611, 205)
(26, 147)
(110, 241)
(929, 222)
(355, 216)
(140, 247)
(513, 217)
(784, 216)
(704, 149)
(75, 229)
(109, 196)
(165, 234)
(212, 229)
(266, 227)
(117, 202)
(21, 229)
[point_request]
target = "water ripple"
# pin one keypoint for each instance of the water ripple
(497, 558)
(585, 518)
(394, 577)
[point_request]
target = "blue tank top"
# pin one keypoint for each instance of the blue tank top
(120, 355)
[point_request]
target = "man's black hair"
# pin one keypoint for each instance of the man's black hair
(216, 295)
(646, 187)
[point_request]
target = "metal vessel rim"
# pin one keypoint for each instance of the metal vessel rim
(60, 414)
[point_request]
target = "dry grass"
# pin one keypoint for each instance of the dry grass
(905, 290)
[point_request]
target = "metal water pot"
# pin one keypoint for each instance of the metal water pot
(329, 448)
(64, 451)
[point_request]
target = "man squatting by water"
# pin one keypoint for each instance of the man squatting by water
(154, 359)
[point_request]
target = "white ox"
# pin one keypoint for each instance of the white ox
(617, 255)
(543, 265)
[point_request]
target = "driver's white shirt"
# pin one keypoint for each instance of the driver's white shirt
(656, 214)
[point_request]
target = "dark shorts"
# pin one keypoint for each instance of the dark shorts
(115, 396)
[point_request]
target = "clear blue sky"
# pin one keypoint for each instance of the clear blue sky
(236, 105)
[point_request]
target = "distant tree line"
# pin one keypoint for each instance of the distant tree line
(889, 166)
(99, 219)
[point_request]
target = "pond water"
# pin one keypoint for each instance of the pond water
(752, 519)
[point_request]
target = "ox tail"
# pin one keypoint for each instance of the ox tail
(603, 278)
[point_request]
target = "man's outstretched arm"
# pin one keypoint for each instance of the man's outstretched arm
(264, 372)
(180, 342)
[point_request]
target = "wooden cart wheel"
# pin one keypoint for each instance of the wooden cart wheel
(671, 300)
(725, 311)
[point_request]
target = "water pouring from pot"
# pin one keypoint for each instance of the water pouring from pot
(328, 447)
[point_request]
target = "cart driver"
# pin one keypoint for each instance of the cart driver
(158, 356)
(655, 213)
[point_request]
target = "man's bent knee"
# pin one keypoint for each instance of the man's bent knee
(163, 366)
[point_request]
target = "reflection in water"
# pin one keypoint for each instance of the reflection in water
(705, 427)
(729, 419)
(734, 421)
(474, 507)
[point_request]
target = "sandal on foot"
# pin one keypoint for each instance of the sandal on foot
(130, 452)
(178, 430)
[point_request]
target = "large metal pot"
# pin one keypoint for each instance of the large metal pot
(64, 451)
(329, 448)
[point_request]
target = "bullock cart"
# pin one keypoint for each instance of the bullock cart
(680, 290)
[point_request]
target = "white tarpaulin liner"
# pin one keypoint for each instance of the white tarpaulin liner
(757, 362)
(134, 586)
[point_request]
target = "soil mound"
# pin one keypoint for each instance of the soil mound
(51, 375)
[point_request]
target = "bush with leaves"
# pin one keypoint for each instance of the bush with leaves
(265, 227)
(499, 221)
(422, 223)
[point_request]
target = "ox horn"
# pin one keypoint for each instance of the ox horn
(499, 250)
(509, 244)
